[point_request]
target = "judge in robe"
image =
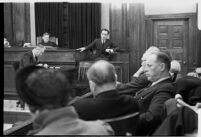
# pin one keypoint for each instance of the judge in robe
(46, 40)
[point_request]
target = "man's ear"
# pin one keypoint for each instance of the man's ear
(92, 86)
(162, 66)
(116, 77)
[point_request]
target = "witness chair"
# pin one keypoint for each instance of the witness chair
(123, 125)
(52, 39)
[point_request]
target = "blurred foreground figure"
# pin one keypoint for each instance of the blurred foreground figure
(47, 92)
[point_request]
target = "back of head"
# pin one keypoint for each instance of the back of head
(101, 72)
(39, 50)
(193, 74)
(43, 88)
(175, 66)
(46, 33)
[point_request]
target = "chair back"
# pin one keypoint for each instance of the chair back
(124, 125)
(83, 67)
(52, 39)
(21, 129)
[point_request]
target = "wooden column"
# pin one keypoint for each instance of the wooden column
(127, 27)
(8, 27)
(17, 22)
(32, 24)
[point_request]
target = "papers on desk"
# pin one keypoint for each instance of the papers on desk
(11, 105)
(6, 126)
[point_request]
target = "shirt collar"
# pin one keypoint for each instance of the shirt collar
(161, 79)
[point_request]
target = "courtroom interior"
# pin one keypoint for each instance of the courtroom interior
(120, 68)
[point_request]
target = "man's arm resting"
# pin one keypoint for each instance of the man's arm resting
(153, 115)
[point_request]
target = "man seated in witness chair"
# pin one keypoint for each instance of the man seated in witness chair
(102, 48)
(46, 41)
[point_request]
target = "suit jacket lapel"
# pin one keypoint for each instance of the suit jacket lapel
(147, 90)
(143, 92)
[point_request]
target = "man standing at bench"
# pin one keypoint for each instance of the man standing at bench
(102, 48)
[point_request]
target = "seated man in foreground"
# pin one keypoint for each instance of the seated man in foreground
(106, 102)
(47, 92)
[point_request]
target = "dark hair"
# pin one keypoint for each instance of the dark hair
(42, 88)
(101, 72)
(46, 33)
(105, 30)
(164, 58)
(168, 53)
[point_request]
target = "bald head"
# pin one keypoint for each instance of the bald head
(102, 72)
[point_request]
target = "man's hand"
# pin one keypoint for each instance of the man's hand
(109, 50)
(43, 65)
(139, 72)
(81, 49)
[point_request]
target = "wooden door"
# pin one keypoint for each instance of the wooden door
(171, 35)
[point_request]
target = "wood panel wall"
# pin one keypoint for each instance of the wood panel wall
(199, 49)
(130, 29)
(127, 27)
(17, 23)
(193, 53)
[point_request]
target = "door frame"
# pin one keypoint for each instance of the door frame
(192, 41)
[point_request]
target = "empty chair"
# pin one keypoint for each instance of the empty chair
(21, 129)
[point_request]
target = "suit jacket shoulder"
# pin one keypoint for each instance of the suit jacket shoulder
(106, 105)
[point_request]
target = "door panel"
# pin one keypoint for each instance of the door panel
(171, 36)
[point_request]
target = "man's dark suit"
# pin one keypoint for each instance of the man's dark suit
(180, 122)
(136, 84)
(109, 105)
(99, 48)
(151, 101)
(106, 105)
(185, 86)
(28, 59)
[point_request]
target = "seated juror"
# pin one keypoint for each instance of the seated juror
(106, 102)
(102, 48)
(152, 98)
(31, 57)
(46, 40)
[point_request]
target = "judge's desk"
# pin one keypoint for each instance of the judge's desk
(65, 59)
